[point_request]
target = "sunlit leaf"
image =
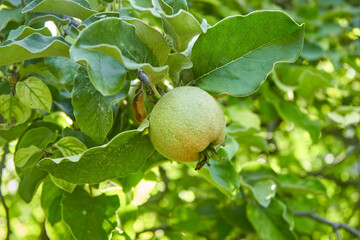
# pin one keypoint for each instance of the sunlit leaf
(33, 46)
(70, 146)
(12, 111)
(33, 93)
(75, 8)
(123, 155)
(24, 31)
(236, 55)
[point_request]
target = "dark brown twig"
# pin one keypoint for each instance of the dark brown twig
(334, 225)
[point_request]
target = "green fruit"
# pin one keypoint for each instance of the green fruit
(184, 122)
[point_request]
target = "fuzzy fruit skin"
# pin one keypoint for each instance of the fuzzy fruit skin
(184, 122)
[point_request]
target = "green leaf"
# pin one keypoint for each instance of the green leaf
(33, 93)
(152, 38)
(96, 17)
(131, 180)
(106, 74)
(182, 28)
(119, 42)
(12, 111)
(230, 149)
(29, 183)
(291, 113)
(90, 217)
(15, 131)
(236, 216)
(39, 137)
(307, 80)
(63, 69)
(27, 157)
(177, 5)
(51, 197)
(222, 175)
(24, 31)
(292, 183)
(244, 116)
(253, 171)
(248, 136)
(9, 15)
(124, 154)
(177, 62)
(92, 110)
(58, 231)
(263, 190)
(64, 185)
(33, 46)
(236, 55)
(34, 17)
(75, 8)
(271, 223)
(70, 146)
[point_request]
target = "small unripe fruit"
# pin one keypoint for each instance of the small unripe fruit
(184, 122)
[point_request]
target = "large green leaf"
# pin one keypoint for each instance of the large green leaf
(236, 55)
(90, 217)
(12, 111)
(121, 42)
(182, 28)
(92, 110)
(272, 223)
(24, 31)
(118, 40)
(75, 8)
(33, 46)
(124, 154)
(33, 93)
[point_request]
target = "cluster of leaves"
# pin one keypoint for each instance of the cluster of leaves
(71, 103)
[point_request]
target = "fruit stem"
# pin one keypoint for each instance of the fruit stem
(156, 92)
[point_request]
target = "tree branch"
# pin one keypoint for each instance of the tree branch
(2, 166)
(334, 225)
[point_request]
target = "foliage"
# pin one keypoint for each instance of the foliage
(77, 162)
